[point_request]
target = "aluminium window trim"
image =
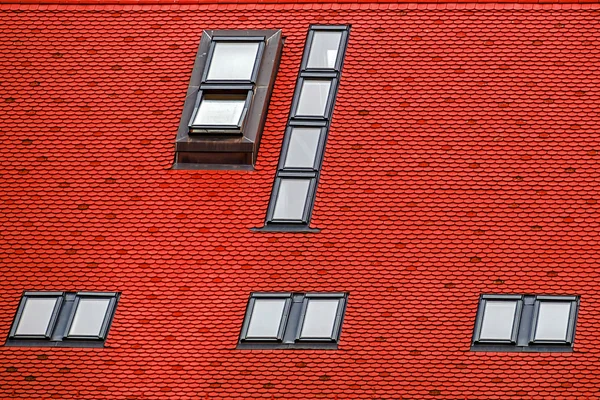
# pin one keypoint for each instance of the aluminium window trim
(105, 322)
(295, 318)
(516, 318)
(528, 319)
(570, 321)
(309, 198)
(341, 49)
(296, 120)
(318, 152)
(255, 68)
(337, 323)
(57, 334)
(228, 149)
(59, 296)
(282, 322)
(208, 129)
(329, 102)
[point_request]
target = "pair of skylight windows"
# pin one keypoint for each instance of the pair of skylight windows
(227, 85)
(299, 320)
(63, 319)
(525, 323)
(227, 99)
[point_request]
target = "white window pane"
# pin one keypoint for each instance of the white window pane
(553, 321)
(324, 50)
(89, 317)
(233, 61)
(498, 320)
(266, 318)
(291, 199)
(226, 112)
(302, 148)
(36, 316)
(319, 319)
(313, 97)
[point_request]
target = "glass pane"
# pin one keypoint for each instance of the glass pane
(233, 61)
(324, 49)
(266, 318)
(553, 321)
(498, 320)
(313, 97)
(89, 317)
(302, 148)
(319, 319)
(291, 199)
(36, 316)
(220, 110)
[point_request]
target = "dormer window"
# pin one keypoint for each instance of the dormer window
(227, 100)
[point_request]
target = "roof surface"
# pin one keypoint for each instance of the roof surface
(462, 159)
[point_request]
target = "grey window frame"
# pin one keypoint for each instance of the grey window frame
(516, 317)
(309, 194)
(338, 317)
(571, 321)
(290, 328)
(226, 146)
(221, 128)
(63, 314)
(107, 317)
(307, 121)
(51, 323)
(526, 319)
(282, 323)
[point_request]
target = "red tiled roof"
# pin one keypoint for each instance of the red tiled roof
(462, 159)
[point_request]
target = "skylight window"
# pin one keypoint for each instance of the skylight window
(525, 323)
(234, 61)
(293, 320)
(63, 319)
(293, 194)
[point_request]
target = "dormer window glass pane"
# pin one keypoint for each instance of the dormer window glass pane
(233, 61)
(498, 320)
(313, 98)
(302, 148)
(319, 319)
(291, 199)
(324, 50)
(36, 316)
(89, 317)
(553, 321)
(220, 110)
(265, 321)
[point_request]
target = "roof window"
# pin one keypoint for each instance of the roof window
(227, 100)
(525, 323)
(63, 319)
(294, 189)
(293, 320)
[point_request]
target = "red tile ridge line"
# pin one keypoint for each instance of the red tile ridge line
(462, 4)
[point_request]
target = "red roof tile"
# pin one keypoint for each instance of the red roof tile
(462, 159)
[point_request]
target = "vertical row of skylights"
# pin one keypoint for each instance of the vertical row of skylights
(297, 174)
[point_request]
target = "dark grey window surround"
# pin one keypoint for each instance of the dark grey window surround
(230, 147)
(525, 323)
(322, 122)
(293, 317)
(62, 320)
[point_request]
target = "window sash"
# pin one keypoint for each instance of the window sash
(105, 321)
(250, 311)
(59, 296)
